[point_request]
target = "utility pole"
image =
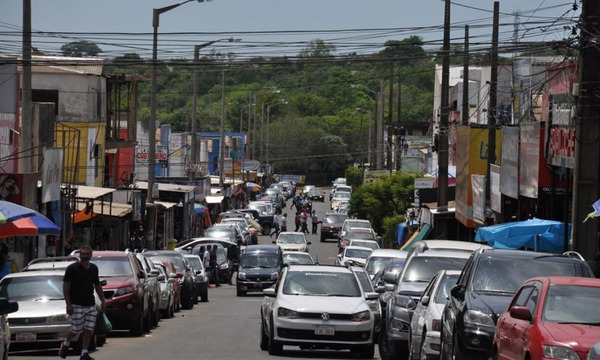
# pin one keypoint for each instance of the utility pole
(399, 146)
(443, 135)
(222, 141)
(380, 122)
(390, 151)
(26, 141)
(466, 110)
(587, 146)
(492, 108)
(249, 128)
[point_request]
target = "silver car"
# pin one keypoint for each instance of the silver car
(167, 294)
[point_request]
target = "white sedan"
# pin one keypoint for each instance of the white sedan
(355, 254)
(292, 241)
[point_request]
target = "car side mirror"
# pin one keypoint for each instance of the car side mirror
(371, 296)
(380, 289)
(389, 287)
(198, 272)
(425, 300)
(308, 243)
(141, 274)
(270, 292)
(389, 277)
(274, 241)
(7, 307)
(458, 291)
(103, 282)
(160, 277)
(520, 312)
(154, 273)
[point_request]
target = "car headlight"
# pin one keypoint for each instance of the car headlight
(474, 318)
(62, 318)
(557, 352)
(124, 290)
(361, 316)
(225, 265)
(436, 325)
(242, 275)
(386, 296)
(287, 313)
(373, 306)
(274, 276)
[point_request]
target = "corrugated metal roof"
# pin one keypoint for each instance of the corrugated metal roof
(117, 209)
(166, 187)
(92, 192)
(65, 65)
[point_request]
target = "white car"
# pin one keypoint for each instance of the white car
(292, 241)
(356, 254)
(338, 198)
(354, 223)
(297, 257)
(372, 244)
(380, 257)
(317, 306)
(167, 295)
(424, 340)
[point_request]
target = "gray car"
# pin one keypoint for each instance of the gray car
(201, 276)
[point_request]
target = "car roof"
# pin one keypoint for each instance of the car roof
(358, 248)
(389, 253)
(262, 248)
(109, 253)
(364, 240)
(448, 244)
(524, 254)
(358, 220)
(318, 267)
(39, 273)
(301, 253)
(60, 262)
(449, 253)
(568, 280)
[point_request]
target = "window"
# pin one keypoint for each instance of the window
(51, 96)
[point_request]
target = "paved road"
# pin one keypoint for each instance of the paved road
(227, 327)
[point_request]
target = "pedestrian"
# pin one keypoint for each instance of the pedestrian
(315, 221)
(140, 239)
(233, 255)
(304, 221)
(297, 221)
(276, 223)
(79, 282)
(206, 258)
(201, 253)
(283, 222)
(294, 199)
(214, 265)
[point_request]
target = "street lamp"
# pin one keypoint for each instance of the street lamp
(272, 103)
(194, 157)
(152, 126)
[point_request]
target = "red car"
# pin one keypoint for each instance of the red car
(550, 318)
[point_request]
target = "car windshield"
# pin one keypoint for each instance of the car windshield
(175, 258)
(357, 224)
(33, 287)
(297, 259)
(377, 263)
(365, 282)
(371, 245)
(506, 275)
(342, 195)
(259, 260)
(334, 219)
(195, 262)
(443, 292)
(357, 253)
(572, 304)
(359, 235)
(321, 283)
(291, 239)
(220, 234)
(423, 268)
(115, 266)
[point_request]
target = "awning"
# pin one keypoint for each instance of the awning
(166, 205)
(141, 185)
(92, 192)
(417, 236)
(109, 209)
(214, 199)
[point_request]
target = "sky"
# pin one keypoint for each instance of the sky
(271, 27)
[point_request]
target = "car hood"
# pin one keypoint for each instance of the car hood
(116, 282)
(580, 337)
(356, 260)
(493, 304)
(259, 271)
(39, 308)
(319, 304)
(292, 247)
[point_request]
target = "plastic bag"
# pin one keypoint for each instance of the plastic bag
(103, 325)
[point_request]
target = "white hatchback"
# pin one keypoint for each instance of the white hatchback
(317, 306)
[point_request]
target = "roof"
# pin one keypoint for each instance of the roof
(389, 253)
(444, 253)
(570, 280)
(319, 268)
(40, 273)
(65, 65)
(525, 255)
(108, 253)
(261, 248)
(142, 185)
(166, 205)
(92, 192)
(109, 208)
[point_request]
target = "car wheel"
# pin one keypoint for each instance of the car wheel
(195, 297)
(367, 351)
(274, 347)
(387, 348)
(186, 300)
(138, 327)
(204, 293)
(266, 229)
(423, 350)
(171, 309)
(148, 321)
(322, 238)
(264, 339)
(240, 292)
(456, 350)
(155, 314)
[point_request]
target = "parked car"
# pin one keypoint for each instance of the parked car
(549, 317)
(243, 228)
(332, 223)
(371, 244)
(187, 277)
(374, 305)
(174, 280)
(187, 246)
(201, 276)
(297, 257)
(410, 284)
(167, 292)
(225, 265)
(353, 255)
(6, 307)
(265, 217)
(229, 232)
(337, 198)
(356, 234)
(259, 268)
(484, 290)
(425, 325)
(152, 286)
(304, 310)
(388, 275)
(380, 257)
(339, 188)
(353, 223)
(292, 241)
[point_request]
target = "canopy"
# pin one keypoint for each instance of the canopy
(34, 225)
(253, 186)
(200, 209)
(534, 234)
(417, 236)
(401, 231)
(10, 211)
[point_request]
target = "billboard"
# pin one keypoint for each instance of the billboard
(529, 159)
(479, 193)
(509, 173)
(495, 195)
(52, 174)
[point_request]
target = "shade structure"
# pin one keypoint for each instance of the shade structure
(200, 209)
(253, 186)
(10, 211)
(36, 224)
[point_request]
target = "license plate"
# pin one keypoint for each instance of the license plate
(25, 337)
(325, 330)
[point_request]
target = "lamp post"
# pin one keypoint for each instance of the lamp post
(152, 126)
(273, 103)
(194, 129)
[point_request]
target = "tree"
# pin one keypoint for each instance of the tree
(408, 51)
(317, 48)
(82, 48)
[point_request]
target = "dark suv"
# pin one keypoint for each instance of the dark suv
(332, 223)
(126, 290)
(484, 290)
(259, 268)
(185, 274)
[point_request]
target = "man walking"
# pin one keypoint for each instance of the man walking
(315, 221)
(275, 226)
(284, 222)
(79, 282)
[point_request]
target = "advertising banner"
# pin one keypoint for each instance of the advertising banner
(509, 173)
(478, 186)
(529, 159)
(495, 195)
(52, 174)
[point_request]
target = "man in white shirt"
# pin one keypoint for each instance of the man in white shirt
(276, 225)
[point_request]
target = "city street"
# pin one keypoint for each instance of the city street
(227, 327)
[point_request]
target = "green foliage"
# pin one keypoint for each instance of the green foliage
(81, 48)
(317, 48)
(385, 197)
(409, 50)
(354, 176)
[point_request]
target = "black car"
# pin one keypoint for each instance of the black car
(331, 226)
(186, 279)
(484, 290)
(259, 268)
(316, 195)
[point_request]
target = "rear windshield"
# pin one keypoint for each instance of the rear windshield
(34, 287)
(506, 275)
(260, 260)
(334, 219)
(321, 284)
(175, 258)
(109, 267)
(423, 268)
(357, 253)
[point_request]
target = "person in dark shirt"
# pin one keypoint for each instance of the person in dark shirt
(214, 265)
(79, 282)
